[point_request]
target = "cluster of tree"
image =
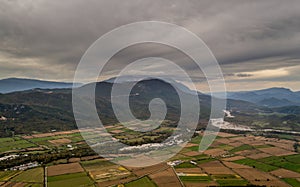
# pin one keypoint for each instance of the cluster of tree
(296, 146)
(47, 157)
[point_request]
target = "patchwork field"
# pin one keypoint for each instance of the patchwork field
(232, 160)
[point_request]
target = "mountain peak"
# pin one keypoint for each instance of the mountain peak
(279, 88)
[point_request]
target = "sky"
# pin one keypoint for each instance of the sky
(257, 43)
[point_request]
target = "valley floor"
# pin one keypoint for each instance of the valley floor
(232, 160)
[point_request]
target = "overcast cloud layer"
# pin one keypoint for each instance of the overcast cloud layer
(256, 42)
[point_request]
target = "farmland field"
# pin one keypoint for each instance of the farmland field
(167, 178)
(64, 169)
(185, 165)
(233, 182)
(35, 175)
(101, 170)
(6, 175)
(16, 143)
(195, 178)
(259, 165)
(70, 180)
(232, 160)
(283, 162)
(143, 182)
(292, 182)
(241, 148)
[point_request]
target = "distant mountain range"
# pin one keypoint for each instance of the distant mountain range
(45, 109)
(272, 97)
(18, 84)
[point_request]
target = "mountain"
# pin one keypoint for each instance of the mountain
(18, 84)
(46, 109)
(43, 110)
(275, 102)
(130, 78)
(288, 110)
(272, 97)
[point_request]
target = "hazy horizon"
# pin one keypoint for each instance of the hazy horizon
(206, 92)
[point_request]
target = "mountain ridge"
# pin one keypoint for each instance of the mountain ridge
(13, 84)
(46, 109)
(270, 97)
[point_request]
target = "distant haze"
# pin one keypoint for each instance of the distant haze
(17, 84)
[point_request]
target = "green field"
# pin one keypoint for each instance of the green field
(292, 182)
(70, 180)
(6, 175)
(194, 178)
(31, 175)
(193, 148)
(94, 168)
(256, 164)
(241, 148)
(185, 165)
(201, 160)
(232, 182)
(76, 137)
(2, 140)
(196, 140)
(293, 158)
(142, 182)
(224, 176)
(34, 185)
(8, 144)
(263, 146)
(225, 147)
(288, 162)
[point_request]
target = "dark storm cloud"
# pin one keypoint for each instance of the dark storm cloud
(51, 36)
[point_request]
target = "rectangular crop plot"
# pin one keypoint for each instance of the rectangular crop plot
(31, 175)
(75, 179)
(283, 162)
(256, 164)
(190, 170)
(64, 169)
(276, 151)
(252, 174)
(232, 182)
(166, 178)
(142, 182)
(6, 175)
(215, 168)
(292, 182)
(61, 141)
(283, 173)
(195, 178)
(103, 170)
(148, 170)
(242, 148)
